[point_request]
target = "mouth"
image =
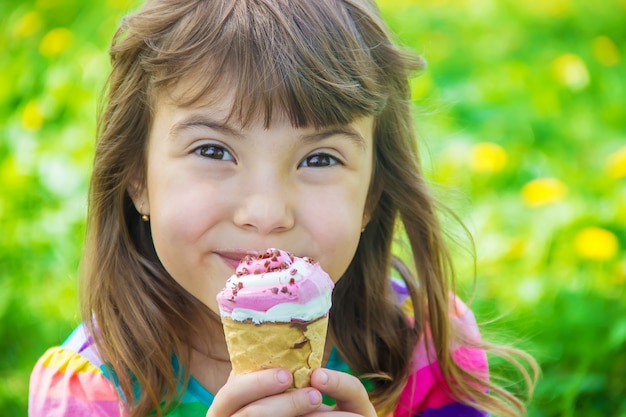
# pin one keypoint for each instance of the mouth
(232, 258)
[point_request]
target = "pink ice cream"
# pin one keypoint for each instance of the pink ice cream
(276, 287)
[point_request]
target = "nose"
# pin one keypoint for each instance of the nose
(266, 209)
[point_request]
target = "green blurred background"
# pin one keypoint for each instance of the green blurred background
(523, 122)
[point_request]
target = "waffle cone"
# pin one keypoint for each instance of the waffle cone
(297, 346)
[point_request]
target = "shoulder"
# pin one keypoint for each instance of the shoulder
(426, 393)
(68, 381)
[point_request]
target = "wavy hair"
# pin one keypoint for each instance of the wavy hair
(321, 63)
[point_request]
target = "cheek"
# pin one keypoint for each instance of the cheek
(338, 237)
(341, 260)
(172, 214)
(180, 218)
(338, 227)
(179, 202)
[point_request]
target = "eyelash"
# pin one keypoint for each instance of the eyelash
(328, 159)
(218, 150)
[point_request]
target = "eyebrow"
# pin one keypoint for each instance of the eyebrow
(203, 121)
(347, 131)
(206, 122)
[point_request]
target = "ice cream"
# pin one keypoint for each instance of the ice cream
(274, 311)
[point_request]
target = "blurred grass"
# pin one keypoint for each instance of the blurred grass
(522, 117)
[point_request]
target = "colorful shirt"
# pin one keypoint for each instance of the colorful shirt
(71, 380)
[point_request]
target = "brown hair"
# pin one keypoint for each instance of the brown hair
(320, 62)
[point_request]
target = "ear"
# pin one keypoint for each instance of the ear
(138, 192)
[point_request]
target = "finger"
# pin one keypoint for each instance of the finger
(348, 392)
(241, 390)
(288, 404)
(323, 411)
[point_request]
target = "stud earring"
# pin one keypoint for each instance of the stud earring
(144, 217)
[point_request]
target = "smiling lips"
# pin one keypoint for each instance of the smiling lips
(233, 258)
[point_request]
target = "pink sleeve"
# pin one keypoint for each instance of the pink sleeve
(426, 393)
(64, 383)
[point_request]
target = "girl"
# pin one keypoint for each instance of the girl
(232, 126)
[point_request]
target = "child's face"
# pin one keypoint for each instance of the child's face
(216, 192)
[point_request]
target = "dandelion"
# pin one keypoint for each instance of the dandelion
(32, 116)
(596, 244)
(605, 51)
(543, 191)
(27, 25)
(619, 273)
(570, 71)
(487, 157)
(55, 42)
(616, 164)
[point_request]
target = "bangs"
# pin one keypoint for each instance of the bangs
(319, 62)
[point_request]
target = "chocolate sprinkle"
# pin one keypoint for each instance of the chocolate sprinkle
(300, 345)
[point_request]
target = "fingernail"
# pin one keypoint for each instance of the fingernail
(314, 397)
(282, 376)
(323, 377)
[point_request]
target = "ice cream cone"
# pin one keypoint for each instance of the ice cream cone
(275, 314)
(297, 346)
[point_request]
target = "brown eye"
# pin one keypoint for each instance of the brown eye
(214, 152)
(319, 160)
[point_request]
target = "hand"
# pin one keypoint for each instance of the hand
(348, 392)
(263, 393)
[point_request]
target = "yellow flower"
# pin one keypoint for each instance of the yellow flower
(570, 71)
(32, 116)
(516, 249)
(605, 51)
(487, 157)
(27, 25)
(542, 7)
(543, 191)
(616, 163)
(118, 4)
(55, 42)
(596, 243)
(619, 273)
